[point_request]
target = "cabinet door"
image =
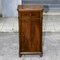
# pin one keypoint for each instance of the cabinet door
(36, 35)
(24, 35)
(30, 33)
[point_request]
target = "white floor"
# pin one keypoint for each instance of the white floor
(51, 23)
(8, 24)
(9, 47)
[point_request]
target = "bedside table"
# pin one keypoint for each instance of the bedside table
(30, 18)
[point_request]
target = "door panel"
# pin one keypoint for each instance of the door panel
(31, 33)
(25, 42)
(36, 31)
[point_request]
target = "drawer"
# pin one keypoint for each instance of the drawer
(30, 14)
(35, 14)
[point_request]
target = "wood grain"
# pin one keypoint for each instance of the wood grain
(30, 30)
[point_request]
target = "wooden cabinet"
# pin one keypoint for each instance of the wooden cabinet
(30, 29)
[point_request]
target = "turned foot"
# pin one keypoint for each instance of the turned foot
(20, 55)
(41, 54)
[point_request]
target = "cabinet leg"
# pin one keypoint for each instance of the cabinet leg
(20, 55)
(41, 54)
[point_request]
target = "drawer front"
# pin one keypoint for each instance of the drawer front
(35, 14)
(30, 14)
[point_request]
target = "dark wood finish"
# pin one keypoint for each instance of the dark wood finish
(30, 29)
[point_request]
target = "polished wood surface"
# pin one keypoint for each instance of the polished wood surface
(30, 29)
(29, 7)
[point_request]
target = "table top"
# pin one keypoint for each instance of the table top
(29, 7)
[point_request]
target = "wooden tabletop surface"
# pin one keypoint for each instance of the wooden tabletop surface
(29, 7)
